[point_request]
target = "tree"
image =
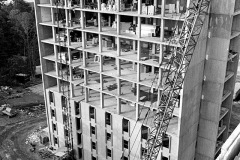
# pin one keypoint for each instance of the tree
(24, 25)
(17, 39)
(21, 5)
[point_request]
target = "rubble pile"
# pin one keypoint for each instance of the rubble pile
(33, 111)
(44, 153)
(33, 138)
(5, 88)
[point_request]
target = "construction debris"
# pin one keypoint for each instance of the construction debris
(5, 88)
(33, 138)
(8, 110)
(44, 153)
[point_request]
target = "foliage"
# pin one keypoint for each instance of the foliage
(17, 39)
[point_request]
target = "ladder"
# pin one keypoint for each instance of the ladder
(175, 74)
(67, 110)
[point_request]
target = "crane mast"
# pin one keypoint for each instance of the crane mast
(176, 69)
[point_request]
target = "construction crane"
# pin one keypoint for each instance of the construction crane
(64, 58)
(175, 74)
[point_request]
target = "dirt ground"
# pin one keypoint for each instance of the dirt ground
(29, 104)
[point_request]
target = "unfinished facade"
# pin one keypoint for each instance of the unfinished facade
(102, 64)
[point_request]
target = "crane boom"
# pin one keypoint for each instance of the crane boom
(174, 77)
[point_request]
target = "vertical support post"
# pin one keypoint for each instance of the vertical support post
(84, 39)
(119, 93)
(83, 23)
(109, 20)
(118, 24)
(69, 64)
(52, 15)
(102, 99)
(138, 64)
(139, 27)
(139, 6)
(137, 112)
(99, 23)
(163, 8)
(100, 42)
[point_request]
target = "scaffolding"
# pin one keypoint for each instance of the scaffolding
(64, 58)
(174, 77)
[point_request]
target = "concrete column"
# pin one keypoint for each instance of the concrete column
(138, 65)
(137, 112)
(118, 47)
(109, 21)
(102, 99)
(162, 31)
(71, 90)
(99, 23)
(84, 39)
(86, 95)
(118, 24)
(139, 7)
(69, 65)
(118, 106)
(84, 59)
(82, 19)
(100, 42)
(139, 27)
(52, 15)
(163, 7)
(101, 63)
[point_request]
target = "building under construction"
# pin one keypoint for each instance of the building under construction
(138, 79)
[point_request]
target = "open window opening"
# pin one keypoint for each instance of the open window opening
(93, 130)
(80, 153)
(64, 102)
(166, 141)
(125, 144)
(78, 123)
(109, 137)
(144, 130)
(51, 97)
(92, 112)
(109, 152)
(94, 146)
(125, 124)
(108, 118)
